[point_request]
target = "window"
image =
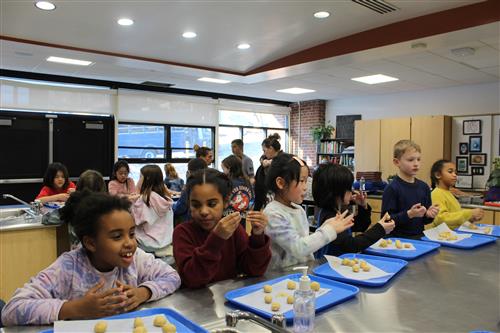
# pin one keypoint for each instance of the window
(252, 128)
(153, 143)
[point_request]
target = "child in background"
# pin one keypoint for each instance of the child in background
(210, 247)
(288, 227)
(444, 177)
(181, 206)
(331, 187)
(241, 197)
(408, 199)
(56, 184)
(204, 153)
(106, 276)
(271, 148)
(172, 179)
(121, 184)
(152, 211)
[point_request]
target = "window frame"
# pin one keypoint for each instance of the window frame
(167, 143)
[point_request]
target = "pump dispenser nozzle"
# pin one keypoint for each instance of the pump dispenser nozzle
(305, 282)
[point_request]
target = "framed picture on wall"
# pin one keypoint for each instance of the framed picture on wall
(477, 159)
(475, 144)
(471, 127)
(462, 164)
(463, 148)
(477, 171)
(464, 181)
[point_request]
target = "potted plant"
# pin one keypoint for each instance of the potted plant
(322, 132)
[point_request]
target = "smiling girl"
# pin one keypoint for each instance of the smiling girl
(107, 275)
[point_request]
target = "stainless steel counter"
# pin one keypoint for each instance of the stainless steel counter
(449, 290)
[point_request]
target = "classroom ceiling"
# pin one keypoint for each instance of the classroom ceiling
(284, 38)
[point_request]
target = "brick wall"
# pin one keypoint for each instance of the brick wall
(311, 114)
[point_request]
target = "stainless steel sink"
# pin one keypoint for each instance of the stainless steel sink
(10, 213)
(18, 218)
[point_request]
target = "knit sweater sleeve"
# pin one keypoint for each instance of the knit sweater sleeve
(287, 237)
(255, 254)
(156, 275)
(453, 218)
(390, 205)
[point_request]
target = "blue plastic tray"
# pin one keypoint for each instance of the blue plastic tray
(339, 292)
(182, 323)
(421, 248)
(389, 265)
(495, 230)
(467, 243)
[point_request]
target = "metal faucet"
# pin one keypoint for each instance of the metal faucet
(276, 326)
(35, 206)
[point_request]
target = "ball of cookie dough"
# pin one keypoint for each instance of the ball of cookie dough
(268, 299)
(345, 262)
(351, 263)
(389, 241)
(169, 328)
(290, 285)
(452, 237)
(160, 321)
(289, 299)
(138, 322)
(100, 327)
(383, 243)
(356, 261)
(355, 268)
(275, 306)
(140, 329)
(398, 244)
(365, 268)
(268, 288)
(407, 245)
(315, 286)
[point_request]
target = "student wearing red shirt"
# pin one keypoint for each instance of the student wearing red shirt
(56, 184)
(211, 247)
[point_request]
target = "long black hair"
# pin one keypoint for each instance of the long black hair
(330, 184)
(286, 166)
(51, 172)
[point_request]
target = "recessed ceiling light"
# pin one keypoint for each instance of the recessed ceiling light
(243, 46)
(321, 15)
(463, 51)
(69, 61)
(374, 79)
(189, 34)
(125, 21)
(209, 79)
(295, 91)
(45, 5)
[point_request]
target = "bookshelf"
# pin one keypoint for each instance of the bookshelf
(334, 151)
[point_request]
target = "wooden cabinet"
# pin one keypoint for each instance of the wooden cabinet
(497, 218)
(367, 145)
(376, 205)
(489, 217)
(391, 131)
(433, 134)
(24, 253)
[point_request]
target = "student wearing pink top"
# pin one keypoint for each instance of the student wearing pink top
(121, 184)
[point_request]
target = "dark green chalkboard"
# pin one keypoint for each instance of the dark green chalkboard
(345, 126)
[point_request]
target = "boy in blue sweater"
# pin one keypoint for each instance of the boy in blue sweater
(408, 199)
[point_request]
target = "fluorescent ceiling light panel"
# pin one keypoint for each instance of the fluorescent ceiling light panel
(295, 91)
(69, 61)
(45, 5)
(374, 79)
(125, 21)
(189, 34)
(321, 15)
(211, 80)
(243, 46)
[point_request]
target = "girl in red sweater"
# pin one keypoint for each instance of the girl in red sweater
(211, 247)
(56, 184)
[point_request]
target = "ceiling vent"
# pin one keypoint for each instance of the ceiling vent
(379, 6)
(157, 84)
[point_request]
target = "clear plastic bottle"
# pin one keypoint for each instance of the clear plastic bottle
(362, 187)
(304, 309)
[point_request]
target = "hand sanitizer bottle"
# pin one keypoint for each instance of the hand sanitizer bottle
(362, 187)
(304, 304)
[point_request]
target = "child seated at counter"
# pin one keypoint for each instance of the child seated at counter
(444, 177)
(212, 247)
(288, 226)
(332, 192)
(408, 199)
(56, 184)
(121, 184)
(107, 275)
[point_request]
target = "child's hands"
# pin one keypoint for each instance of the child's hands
(417, 210)
(258, 220)
(387, 223)
(62, 197)
(71, 190)
(227, 225)
(94, 304)
(360, 198)
(432, 211)
(340, 222)
(135, 296)
(133, 197)
(477, 214)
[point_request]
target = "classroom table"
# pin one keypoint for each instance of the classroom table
(448, 290)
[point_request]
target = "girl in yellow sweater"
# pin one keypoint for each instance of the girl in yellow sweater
(444, 176)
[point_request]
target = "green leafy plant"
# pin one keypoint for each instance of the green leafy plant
(322, 132)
